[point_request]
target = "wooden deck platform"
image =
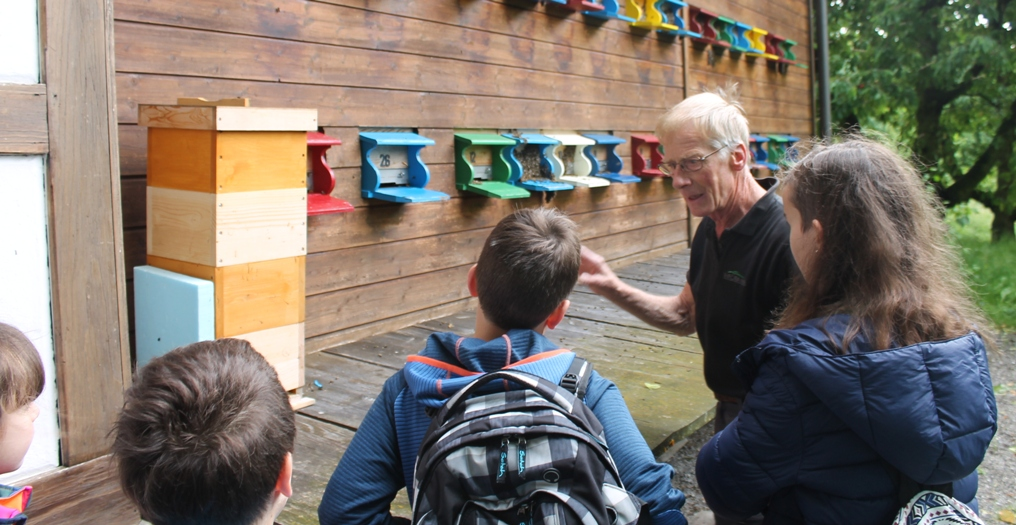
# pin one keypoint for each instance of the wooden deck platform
(659, 374)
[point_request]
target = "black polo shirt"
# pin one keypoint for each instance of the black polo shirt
(739, 282)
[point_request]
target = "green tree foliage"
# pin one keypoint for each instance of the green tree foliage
(940, 77)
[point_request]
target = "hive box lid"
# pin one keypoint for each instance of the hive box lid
(227, 118)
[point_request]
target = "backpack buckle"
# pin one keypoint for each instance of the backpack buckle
(570, 382)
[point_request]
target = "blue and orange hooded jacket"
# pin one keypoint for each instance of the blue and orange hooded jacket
(380, 458)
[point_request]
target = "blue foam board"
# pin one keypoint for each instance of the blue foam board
(170, 310)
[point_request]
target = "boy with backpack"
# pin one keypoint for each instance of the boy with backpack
(526, 270)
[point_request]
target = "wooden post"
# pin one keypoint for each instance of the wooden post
(86, 239)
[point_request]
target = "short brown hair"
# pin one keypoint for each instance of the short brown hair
(885, 258)
(21, 375)
(528, 265)
(203, 435)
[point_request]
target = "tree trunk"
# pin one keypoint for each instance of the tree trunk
(1002, 226)
(1004, 200)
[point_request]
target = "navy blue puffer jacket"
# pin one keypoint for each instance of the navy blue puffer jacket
(806, 447)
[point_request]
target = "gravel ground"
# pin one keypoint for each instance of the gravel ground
(997, 491)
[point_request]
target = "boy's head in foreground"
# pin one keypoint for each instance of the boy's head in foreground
(528, 266)
(206, 437)
(21, 381)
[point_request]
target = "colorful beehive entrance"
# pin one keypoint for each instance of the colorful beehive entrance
(227, 203)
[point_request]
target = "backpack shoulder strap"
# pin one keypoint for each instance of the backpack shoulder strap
(576, 379)
(908, 487)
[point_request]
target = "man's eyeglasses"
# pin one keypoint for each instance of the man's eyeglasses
(687, 165)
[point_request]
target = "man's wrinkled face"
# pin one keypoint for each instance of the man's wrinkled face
(711, 186)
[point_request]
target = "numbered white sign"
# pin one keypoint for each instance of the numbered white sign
(392, 163)
(482, 159)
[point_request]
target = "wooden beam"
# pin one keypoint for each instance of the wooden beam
(356, 333)
(85, 493)
(199, 54)
(23, 119)
(86, 239)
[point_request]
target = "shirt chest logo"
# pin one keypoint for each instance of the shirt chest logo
(735, 276)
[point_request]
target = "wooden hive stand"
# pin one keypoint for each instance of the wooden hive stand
(227, 202)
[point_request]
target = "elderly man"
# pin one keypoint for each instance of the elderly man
(740, 255)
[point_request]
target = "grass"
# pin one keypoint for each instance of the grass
(991, 268)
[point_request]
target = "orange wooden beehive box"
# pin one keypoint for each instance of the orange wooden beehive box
(227, 202)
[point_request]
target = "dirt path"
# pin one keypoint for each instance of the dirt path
(997, 491)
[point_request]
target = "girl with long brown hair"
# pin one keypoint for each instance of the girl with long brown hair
(876, 374)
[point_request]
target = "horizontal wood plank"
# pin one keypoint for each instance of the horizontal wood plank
(348, 388)
(359, 106)
(319, 445)
(23, 126)
(339, 269)
(347, 27)
(227, 118)
(533, 21)
(774, 16)
(650, 254)
(392, 223)
(758, 71)
(332, 311)
(90, 492)
(389, 349)
(356, 333)
(632, 242)
(372, 263)
(205, 54)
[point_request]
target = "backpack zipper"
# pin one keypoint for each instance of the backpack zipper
(502, 464)
(522, 458)
(527, 515)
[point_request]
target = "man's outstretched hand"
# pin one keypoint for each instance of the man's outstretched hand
(595, 273)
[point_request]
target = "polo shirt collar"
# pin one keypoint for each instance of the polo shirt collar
(760, 210)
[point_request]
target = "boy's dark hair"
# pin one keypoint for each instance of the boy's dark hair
(203, 435)
(21, 375)
(528, 265)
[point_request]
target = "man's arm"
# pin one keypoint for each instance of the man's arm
(674, 314)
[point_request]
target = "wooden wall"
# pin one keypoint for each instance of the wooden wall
(436, 66)
(776, 103)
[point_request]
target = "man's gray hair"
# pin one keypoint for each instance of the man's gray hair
(716, 115)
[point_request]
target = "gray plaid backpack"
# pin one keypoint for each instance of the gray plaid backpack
(535, 456)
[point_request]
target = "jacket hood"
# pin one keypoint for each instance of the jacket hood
(928, 409)
(450, 362)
